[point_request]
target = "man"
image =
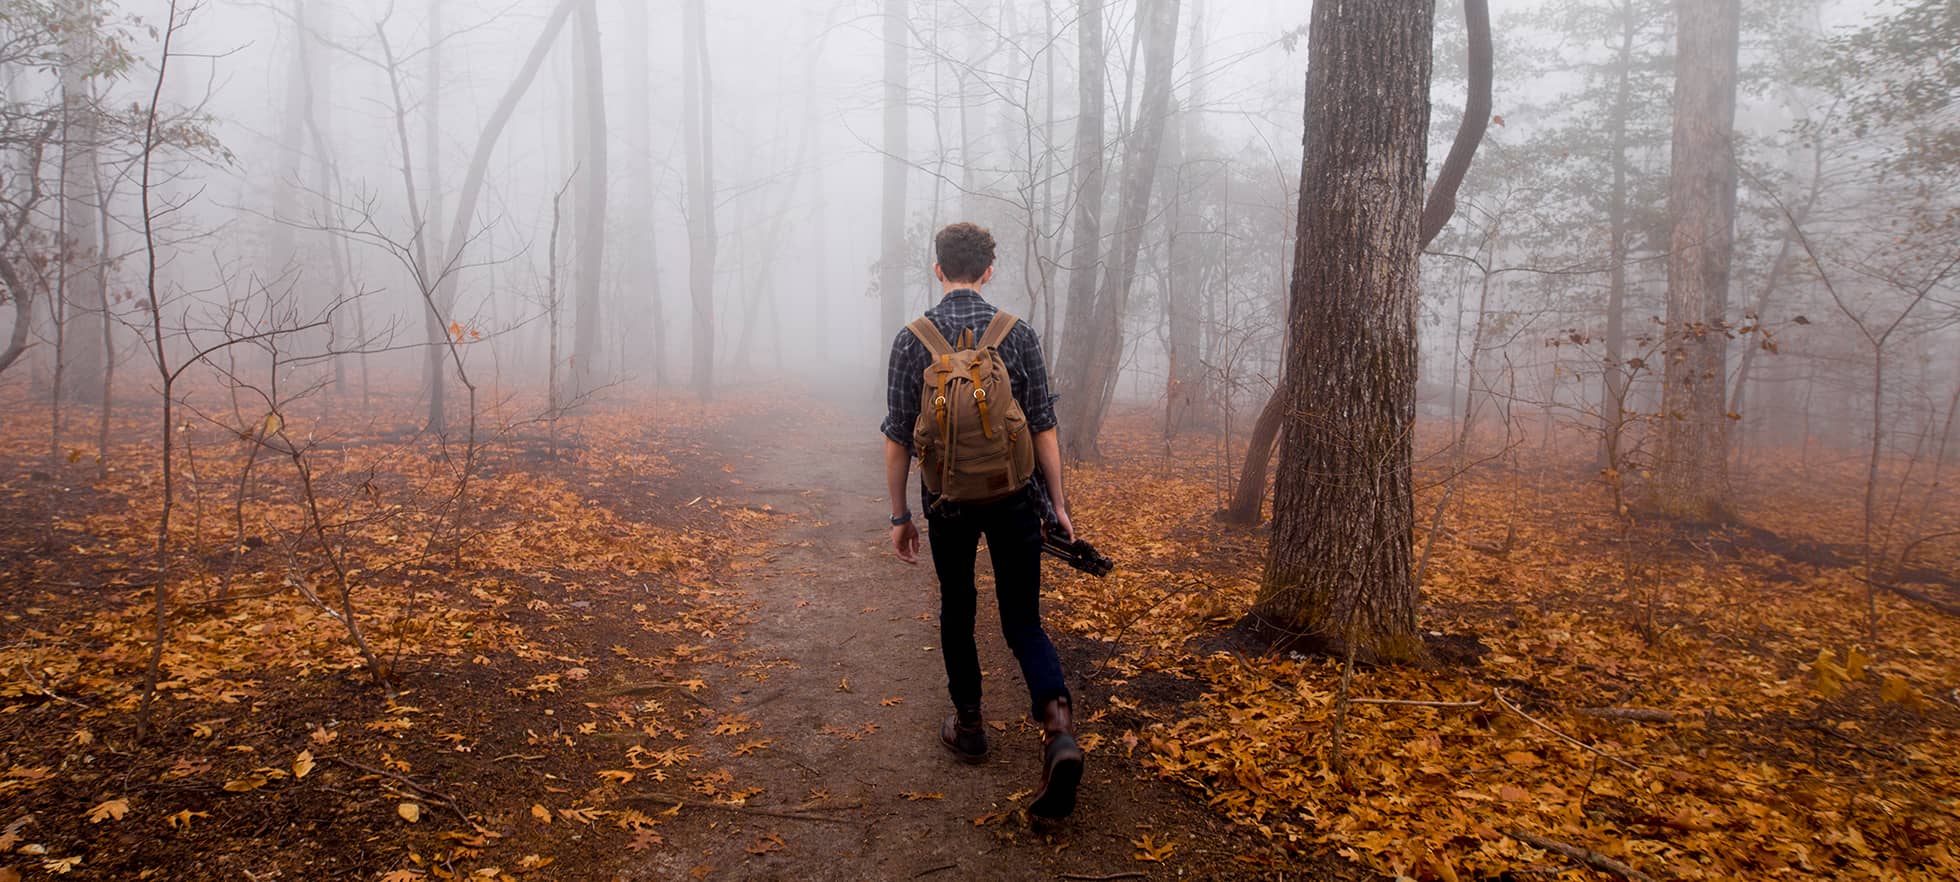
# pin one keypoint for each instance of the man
(1013, 526)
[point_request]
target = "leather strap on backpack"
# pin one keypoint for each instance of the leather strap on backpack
(997, 330)
(928, 333)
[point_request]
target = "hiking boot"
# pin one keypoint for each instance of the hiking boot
(963, 734)
(1061, 763)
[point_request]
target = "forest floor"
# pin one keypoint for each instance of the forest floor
(680, 650)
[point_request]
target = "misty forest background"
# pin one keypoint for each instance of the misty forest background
(1536, 461)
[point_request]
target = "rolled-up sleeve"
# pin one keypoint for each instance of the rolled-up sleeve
(1029, 370)
(902, 378)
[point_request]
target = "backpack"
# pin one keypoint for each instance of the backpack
(972, 438)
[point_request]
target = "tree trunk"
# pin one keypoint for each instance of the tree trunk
(1476, 121)
(643, 267)
(892, 259)
(1340, 568)
(1692, 478)
(85, 357)
(1104, 352)
(1085, 246)
(698, 144)
(589, 228)
(1187, 399)
(1613, 402)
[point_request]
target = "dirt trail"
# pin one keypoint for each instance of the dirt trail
(854, 708)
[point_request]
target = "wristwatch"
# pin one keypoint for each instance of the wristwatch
(902, 520)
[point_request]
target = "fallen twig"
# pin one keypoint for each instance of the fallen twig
(1585, 856)
(1919, 596)
(737, 809)
(1631, 714)
(931, 870)
(1499, 695)
(430, 793)
(1085, 877)
(1403, 702)
(634, 690)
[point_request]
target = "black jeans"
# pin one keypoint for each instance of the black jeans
(1013, 530)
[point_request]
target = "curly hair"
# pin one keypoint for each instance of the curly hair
(965, 252)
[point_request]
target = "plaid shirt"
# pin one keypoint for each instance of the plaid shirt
(960, 311)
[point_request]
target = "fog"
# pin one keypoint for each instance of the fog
(310, 160)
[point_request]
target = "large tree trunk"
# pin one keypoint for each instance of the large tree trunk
(643, 267)
(1103, 358)
(1692, 478)
(892, 259)
(1340, 567)
(589, 229)
(1085, 244)
(698, 145)
(1436, 214)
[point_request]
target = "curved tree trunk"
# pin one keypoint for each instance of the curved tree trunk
(1476, 121)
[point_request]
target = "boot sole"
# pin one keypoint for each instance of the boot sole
(1057, 800)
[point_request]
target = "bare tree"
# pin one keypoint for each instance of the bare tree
(1090, 390)
(893, 259)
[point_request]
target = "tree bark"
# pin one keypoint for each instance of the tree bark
(1339, 573)
(589, 228)
(1085, 245)
(1103, 357)
(1265, 433)
(1186, 396)
(1692, 477)
(698, 144)
(893, 258)
(1613, 404)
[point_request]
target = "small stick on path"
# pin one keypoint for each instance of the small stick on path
(1585, 856)
(736, 809)
(1405, 702)
(1630, 714)
(1085, 877)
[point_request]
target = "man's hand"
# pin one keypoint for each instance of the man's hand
(905, 542)
(1062, 521)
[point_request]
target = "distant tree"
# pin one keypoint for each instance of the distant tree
(1692, 473)
(1086, 400)
(1903, 73)
(894, 257)
(589, 227)
(1085, 249)
(643, 262)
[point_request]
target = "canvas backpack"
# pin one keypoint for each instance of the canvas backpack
(972, 438)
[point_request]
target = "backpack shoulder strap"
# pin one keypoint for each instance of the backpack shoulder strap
(997, 330)
(928, 333)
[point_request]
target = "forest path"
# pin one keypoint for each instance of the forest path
(852, 718)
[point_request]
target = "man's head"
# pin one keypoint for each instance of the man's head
(966, 256)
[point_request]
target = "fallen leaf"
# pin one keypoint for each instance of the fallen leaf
(303, 764)
(113, 809)
(409, 811)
